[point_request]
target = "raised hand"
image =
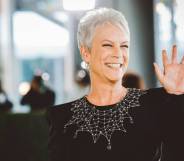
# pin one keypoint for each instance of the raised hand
(172, 77)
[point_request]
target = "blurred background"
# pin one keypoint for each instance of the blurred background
(38, 38)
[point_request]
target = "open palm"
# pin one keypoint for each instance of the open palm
(172, 77)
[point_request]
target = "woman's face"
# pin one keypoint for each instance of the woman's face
(108, 57)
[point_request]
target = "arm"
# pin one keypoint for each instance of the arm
(57, 139)
(173, 129)
(172, 79)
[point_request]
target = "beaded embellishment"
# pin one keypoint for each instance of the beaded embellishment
(103, 122)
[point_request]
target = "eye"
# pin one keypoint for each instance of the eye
(124, 46)
(106, 45)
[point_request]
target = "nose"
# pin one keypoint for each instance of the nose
(117, 52)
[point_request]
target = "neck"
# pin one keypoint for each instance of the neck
(106, 93)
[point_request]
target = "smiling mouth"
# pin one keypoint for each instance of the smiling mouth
(113, 65)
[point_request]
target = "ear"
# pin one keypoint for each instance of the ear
(85, 54)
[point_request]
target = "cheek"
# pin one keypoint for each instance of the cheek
(96, 59)
(103, 55)
(126, 61)
(126, 56)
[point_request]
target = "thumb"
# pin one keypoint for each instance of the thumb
(159, 73)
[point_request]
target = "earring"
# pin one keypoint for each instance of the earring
(87, 65)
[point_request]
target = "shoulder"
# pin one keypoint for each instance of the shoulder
(156, 92)
(49, 90)
(160, 96)
(60, 114)
(59, 110)
(154, 96)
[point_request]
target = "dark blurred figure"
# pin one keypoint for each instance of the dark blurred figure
(39, 96)
(133, 80)
(5, 104)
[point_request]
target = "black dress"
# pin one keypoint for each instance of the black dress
(145, 126)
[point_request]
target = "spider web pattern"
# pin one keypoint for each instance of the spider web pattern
(103, 122)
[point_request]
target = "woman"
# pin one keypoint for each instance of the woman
(114, 123)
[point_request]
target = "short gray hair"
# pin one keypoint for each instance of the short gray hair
(94, 18)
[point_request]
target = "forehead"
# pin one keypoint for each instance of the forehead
(112, 32)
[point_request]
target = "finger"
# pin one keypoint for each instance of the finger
(174, 54)
(182, 61)
(165, 59)
(158, 72)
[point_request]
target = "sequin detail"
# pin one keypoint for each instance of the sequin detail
(103, 122)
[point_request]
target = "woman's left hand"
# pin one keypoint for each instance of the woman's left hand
(172, 78)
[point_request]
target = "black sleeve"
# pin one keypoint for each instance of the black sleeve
(173, 128)
(57, 139)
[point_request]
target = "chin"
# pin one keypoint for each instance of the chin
(114, 78)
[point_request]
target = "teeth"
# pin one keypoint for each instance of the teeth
(114, 65)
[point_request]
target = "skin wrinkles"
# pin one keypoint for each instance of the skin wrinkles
(110, 47)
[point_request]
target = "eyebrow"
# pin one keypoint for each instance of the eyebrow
(112, 41)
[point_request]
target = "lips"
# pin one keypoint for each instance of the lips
(114, 65)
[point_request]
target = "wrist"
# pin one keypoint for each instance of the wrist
(174, 92)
